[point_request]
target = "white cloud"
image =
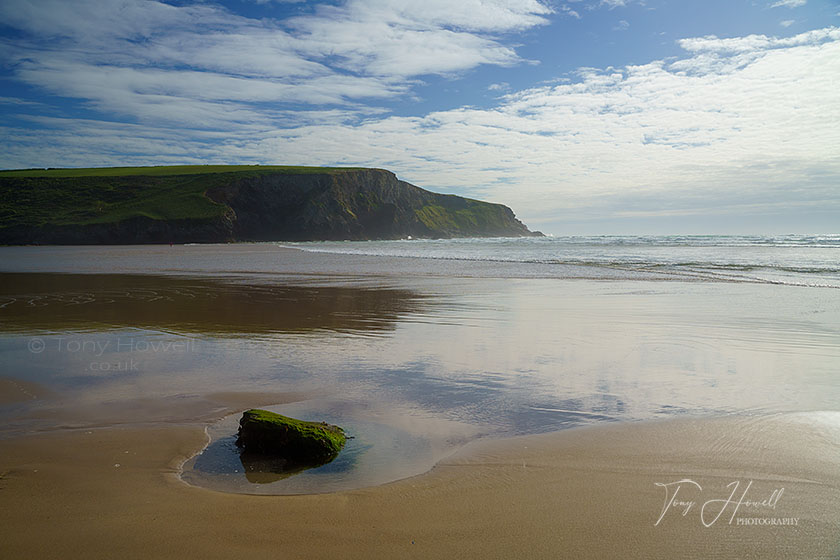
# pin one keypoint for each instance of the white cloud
(757, 43)
(612, 4)
(567, 10)
(623, 25)
(407, 38)
(189, 64)
(20, 102)
(787, 22)
(789, 3)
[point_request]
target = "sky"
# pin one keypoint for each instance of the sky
(586, 117)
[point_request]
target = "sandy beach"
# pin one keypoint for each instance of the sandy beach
(18, 391)
(672, 419)
(582, 493)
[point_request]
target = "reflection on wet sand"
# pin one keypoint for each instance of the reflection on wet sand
(54, 302)
(503, 357)
(260, 470)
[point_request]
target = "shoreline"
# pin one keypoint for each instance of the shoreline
(582, 492)
(293, 263)
(298, 260)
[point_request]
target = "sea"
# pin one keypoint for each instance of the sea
(802, 260)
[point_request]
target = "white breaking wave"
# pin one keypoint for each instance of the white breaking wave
(807, 260)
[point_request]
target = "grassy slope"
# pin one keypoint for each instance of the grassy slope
(169, 170)
(475, 216)
(71, 197)
(114, 194)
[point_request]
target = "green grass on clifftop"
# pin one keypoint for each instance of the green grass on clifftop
(170, 170)
(35, 197)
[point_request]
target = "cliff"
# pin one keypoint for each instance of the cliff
(234, 203)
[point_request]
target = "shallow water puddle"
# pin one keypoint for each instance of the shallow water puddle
(384, 446)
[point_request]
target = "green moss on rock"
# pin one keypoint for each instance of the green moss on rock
(296, 442)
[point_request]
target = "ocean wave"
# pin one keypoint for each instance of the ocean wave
(797, 260)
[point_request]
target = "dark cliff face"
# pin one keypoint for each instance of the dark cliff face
(352, 204)
(368, 204)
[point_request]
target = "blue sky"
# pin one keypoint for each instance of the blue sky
(586, 116)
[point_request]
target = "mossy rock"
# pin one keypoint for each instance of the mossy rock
(293, 443)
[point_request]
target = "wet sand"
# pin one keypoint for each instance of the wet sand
(89, 459)
(580, 493)
(17, 391)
